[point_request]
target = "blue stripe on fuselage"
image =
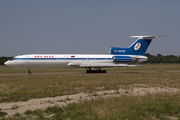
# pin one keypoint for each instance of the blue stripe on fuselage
(63, 59)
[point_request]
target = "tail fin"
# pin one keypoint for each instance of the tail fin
(139, 47)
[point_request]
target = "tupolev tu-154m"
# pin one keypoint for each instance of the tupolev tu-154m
(117, 57)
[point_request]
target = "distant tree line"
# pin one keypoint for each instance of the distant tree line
(4, 59)
(162, 59)
(151, 59)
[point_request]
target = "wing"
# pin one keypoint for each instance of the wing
(83, 65)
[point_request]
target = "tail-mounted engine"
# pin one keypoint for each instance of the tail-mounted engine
(123, 59)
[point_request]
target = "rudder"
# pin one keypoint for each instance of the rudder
(139, 47)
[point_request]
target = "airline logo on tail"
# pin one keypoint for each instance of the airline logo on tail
(137, 46)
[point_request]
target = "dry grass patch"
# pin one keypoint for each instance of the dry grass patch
(43, 103)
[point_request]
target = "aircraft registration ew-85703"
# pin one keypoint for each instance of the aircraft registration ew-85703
(118, 57)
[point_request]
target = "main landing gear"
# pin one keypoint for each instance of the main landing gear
(98, 70)
(29, 71)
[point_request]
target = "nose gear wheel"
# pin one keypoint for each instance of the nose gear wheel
(29, 71)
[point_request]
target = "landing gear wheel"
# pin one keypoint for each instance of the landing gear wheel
(98, 70)
(29, 72)
(104, 71)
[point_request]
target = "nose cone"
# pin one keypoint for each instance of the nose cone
(7, 63)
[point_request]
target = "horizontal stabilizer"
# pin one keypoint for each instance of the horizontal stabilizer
(149, 36)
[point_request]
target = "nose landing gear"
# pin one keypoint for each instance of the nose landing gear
(29, 71)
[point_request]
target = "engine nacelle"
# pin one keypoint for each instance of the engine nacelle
(123, 59)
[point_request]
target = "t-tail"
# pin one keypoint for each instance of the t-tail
(139, 47)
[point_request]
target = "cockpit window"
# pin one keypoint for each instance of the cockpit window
(12, 58)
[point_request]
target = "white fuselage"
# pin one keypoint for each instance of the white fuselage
(66, 60)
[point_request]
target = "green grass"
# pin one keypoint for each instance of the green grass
(149, 107)
(25, 87)
(126, 107)
(2, 114)
(21, 87)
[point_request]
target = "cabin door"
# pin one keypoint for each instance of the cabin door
(66, 58)
(27, 59)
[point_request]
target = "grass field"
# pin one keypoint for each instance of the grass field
(16, 85)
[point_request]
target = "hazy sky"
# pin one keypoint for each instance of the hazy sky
(86, 26)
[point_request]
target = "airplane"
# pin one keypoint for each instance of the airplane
(118, 57)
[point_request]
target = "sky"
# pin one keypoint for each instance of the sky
(86, 26)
